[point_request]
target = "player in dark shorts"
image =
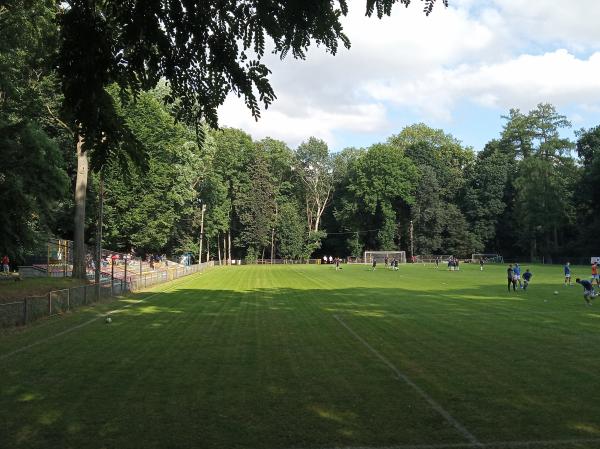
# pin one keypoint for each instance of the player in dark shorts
(527, 278)
(374, 264)
(511, 278)
(588, 290)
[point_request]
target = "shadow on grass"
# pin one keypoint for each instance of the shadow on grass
(270, 368)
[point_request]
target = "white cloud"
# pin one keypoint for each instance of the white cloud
(489, 53)
(558, 77)
(573, 24)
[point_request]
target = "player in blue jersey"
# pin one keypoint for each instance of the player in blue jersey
(567, 270)
(588, 290)
(517, 275)
(527, 278)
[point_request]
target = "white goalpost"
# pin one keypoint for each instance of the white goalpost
(380, 256)
(431, 258)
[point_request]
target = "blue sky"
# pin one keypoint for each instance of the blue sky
(459, 69)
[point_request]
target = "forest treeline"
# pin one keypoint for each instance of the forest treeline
(530, 192)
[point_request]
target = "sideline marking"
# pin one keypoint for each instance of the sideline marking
(492, 445)
(437, 407)
(79, 326)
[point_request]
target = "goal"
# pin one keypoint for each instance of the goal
(380, 256)
(487, 258)
(431, 258)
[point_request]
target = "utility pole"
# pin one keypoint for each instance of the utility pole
(99, 237)
(411, 241)
(201, 233)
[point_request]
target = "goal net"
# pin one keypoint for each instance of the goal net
(380, 256)
(431, 258)
(487, 258)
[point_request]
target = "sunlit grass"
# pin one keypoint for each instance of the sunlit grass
(253, 357)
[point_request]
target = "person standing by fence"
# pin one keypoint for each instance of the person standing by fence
(5, 264)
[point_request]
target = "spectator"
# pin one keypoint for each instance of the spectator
(5, 264)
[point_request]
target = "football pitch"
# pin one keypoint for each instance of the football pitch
(306, 357)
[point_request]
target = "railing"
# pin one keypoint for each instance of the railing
(284, 261)
(29, 309)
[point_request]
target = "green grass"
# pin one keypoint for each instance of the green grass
(10, 290)
(259, 357)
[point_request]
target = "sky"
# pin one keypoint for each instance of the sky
(459, 69)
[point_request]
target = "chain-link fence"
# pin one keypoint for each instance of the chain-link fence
(26, 310)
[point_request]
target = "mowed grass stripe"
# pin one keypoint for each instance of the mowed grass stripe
(488, 369)
(252, 357)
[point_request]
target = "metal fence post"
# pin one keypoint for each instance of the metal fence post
(112, 276)
(25, 311)
(49, 303)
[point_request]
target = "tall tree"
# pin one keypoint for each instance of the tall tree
(203, 49)
(381, 183)
(256, 206)
(142, 209)
(443, 160)
(33, 175)
(588, 192)
(483, 197)
(315, 170)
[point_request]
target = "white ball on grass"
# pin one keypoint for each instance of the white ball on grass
(556, 292)
(108, 320)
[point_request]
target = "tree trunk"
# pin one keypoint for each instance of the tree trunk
(80, 195)
(207, 250)
(229, 245)
(225, 249)
(219, 249)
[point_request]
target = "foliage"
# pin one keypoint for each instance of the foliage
(204, 50)
(588, 189)
(32, 185)
(380, 182)
(256, 206)
(142, 208)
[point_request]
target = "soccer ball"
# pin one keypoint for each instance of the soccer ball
(108, 320)
(555, 292)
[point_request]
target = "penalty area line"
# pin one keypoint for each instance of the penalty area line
(86, 323)
(403, 377)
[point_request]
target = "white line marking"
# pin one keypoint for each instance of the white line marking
(492, 445)
(79, 326)
(437, 407)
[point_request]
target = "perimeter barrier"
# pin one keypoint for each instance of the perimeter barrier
(20, 312)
